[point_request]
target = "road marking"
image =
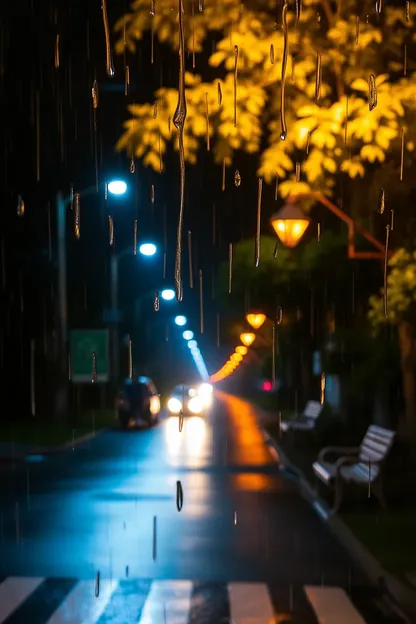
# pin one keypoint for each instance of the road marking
(14, 591)
(250, 603)
(81, 606)
(332, 605)
(168, 601)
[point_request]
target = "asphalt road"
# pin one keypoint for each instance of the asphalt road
(104, 533)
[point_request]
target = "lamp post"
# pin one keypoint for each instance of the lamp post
(115, 187)
(115, 259)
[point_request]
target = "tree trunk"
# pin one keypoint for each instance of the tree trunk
(407, 343)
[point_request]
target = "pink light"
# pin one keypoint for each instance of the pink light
(267, 386)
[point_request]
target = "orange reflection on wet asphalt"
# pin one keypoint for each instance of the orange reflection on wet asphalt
(248, 447)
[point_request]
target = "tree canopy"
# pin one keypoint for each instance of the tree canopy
(401, 292)
(349, 88)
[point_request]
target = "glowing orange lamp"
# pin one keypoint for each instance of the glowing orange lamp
(290, 224)
(236, 358)
(256, 320)
(247, 338)
(241, 350)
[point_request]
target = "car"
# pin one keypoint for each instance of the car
(190, 399)
(138, 403)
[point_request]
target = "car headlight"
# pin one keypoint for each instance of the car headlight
(154, 405)
(195, 405)
(205, 391)
(174, 405)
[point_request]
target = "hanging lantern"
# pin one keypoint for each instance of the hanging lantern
(241, 350)
(256, 320)
(247, 338)
(290, 224)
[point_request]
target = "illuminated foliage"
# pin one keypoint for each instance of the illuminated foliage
(350, 53)
(401, 292)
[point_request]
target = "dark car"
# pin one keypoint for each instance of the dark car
(138, 403)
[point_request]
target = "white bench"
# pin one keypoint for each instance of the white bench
(361, 465)
(305, 421)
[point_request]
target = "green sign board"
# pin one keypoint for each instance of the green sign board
(84, 343)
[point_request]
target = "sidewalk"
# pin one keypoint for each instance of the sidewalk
(40, 438)
(377, 540)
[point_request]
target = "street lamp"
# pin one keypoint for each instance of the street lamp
(188, 335)
(290, 224)
(168, 294)
(241, 350)
(247, 338)
(115, 187)
(181, 320)
(147, 249)
(256, 320)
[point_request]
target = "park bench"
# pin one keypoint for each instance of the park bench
(305, 421)
(358, 465)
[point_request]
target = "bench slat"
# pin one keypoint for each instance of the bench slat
(312, 409)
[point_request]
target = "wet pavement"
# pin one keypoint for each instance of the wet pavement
(95, 535)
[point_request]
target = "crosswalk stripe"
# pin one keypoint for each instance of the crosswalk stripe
(332, 605)
(168, 601)
(13, 591)
(250, 603)
(82, 606)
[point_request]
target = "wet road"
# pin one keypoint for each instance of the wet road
(244, 546)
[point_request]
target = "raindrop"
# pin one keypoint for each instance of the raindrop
(94, 368)
(77, 215)
(156, 302)
(272, 54)
(219, 94)
(110, 230)
(154, 549)
(130, 359)
(318, 76)
(283, 132)
(109, 57)
(97, 585)
(57, 55)
(179, 122)
(237, 178)
(132, 167)
(179, 496)
(382, 201)
(135, 228)
(258, 223)
(372, 92)
(235, 84)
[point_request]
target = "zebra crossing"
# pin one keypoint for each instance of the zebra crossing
(26, 600)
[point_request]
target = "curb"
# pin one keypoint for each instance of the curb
(403, 596)
(50, 450)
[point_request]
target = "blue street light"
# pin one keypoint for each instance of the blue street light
(147, 249)
(168, 294)
(188, 335)
(192, 344)
(117, 187)
(180, 320)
